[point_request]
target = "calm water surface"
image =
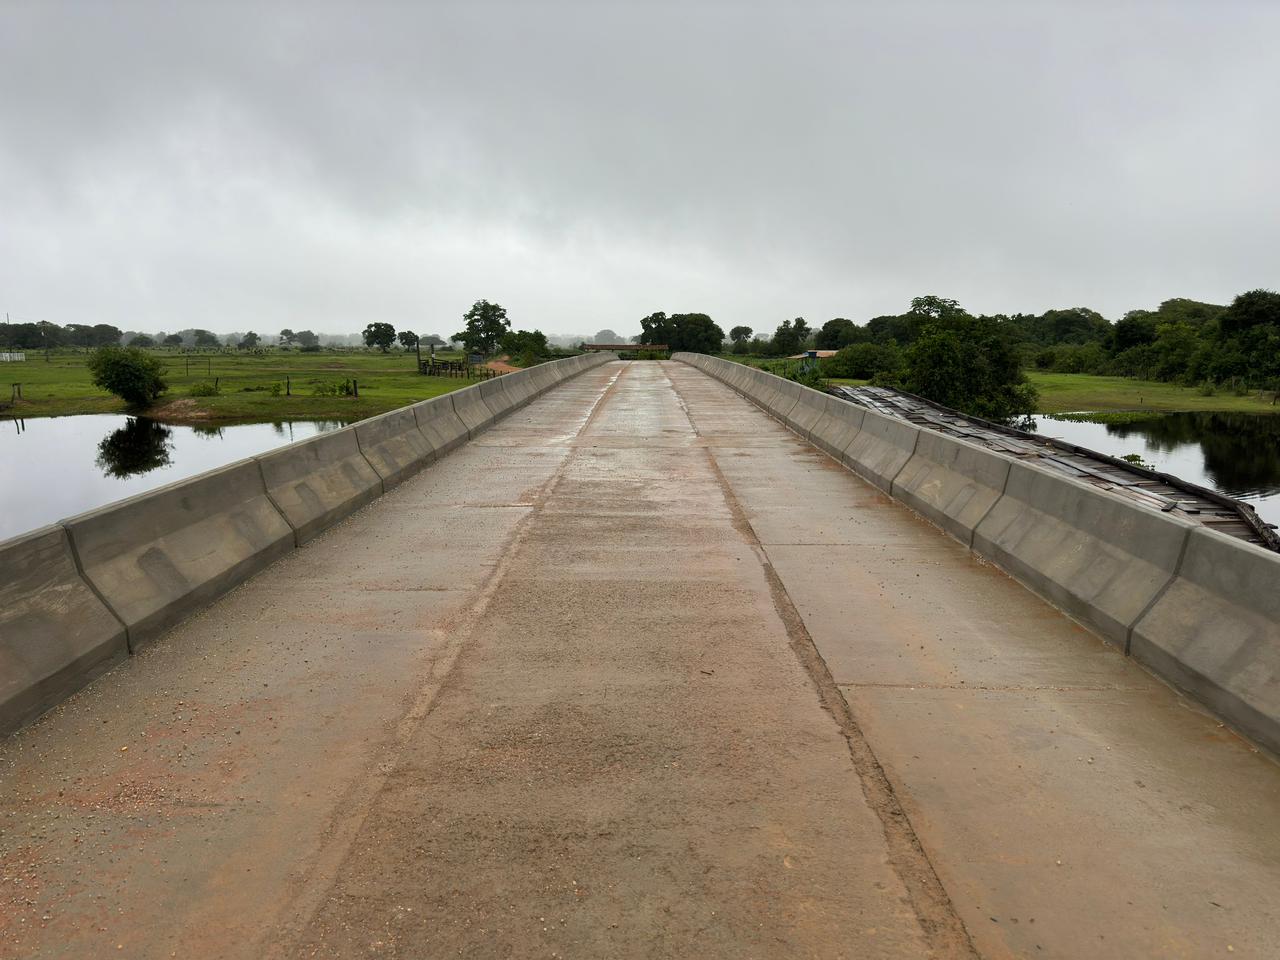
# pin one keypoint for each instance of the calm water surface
(55, 467)
(1234, 453)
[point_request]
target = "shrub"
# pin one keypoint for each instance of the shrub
(862, 361)
(204, 389)
(334, 388)
(133, 375)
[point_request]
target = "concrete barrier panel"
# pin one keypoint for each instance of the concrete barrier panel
(441, 426)
(1216, 632)
(496, 396)
(470, 408)
(755, 385)
(952, 483)
(394, 446)
(836, 428)
(881, 448)
(159, 556)
(55, 634)
(317, 482)
(741, 379)
(520, 386)
(790, 394)
(1098, 557)
(810, 407)
(547, 375)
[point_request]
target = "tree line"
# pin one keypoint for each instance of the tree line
(975, 363)
(1182, 341)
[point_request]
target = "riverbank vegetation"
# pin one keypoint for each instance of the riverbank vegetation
(231, 387)
(1184, 355)
(197, 376)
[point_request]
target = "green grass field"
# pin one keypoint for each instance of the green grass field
(1068, 392)
(62, 386)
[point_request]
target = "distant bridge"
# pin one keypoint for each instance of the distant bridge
(638, 659)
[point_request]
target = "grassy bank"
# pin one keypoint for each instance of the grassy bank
(1073, 392)
(1066, 392)
(245, 383)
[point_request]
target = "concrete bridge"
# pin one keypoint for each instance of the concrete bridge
(635, 671)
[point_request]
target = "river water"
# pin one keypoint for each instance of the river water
(55, 467)
(1234, 453)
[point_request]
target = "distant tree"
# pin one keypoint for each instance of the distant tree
(307, 340)
(287, 337)
(740, 334)
(142, 341)
(434, 340)
(206, 338)
(104, 335)
(130, 373)
(250, 341)
(862, 361)
(408, 339)
(790, 336)
(486, 323)
(1251, 309)
(525, 347)
(968, 363)
(657, 328)
(172, 340)
(1074, 325)
(76, 334)
(380, 335)
(690, 332)
(606, 336)
(1134, 329)
(838, 333)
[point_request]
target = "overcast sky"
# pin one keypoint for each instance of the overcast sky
(169, 164)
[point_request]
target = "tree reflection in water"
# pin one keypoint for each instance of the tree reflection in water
(1241, 450)
(138, 447)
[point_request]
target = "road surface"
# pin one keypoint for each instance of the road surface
(635, 674)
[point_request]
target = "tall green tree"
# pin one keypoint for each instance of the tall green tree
(970, 364)
(688, 332)
(133, 375)
(525, 347)
(790, 336)
(838, 333)
(485, 324)
(380, 335)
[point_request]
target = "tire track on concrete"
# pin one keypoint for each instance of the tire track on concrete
(946, 932)
(312, 888)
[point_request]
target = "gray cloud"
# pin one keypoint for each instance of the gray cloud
(167, 165)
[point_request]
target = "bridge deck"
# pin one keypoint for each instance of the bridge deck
(636, 673)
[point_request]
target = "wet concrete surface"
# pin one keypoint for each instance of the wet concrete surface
(636, 673)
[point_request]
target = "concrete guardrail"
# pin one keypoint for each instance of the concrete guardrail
(78, 596)
(1196, 607)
